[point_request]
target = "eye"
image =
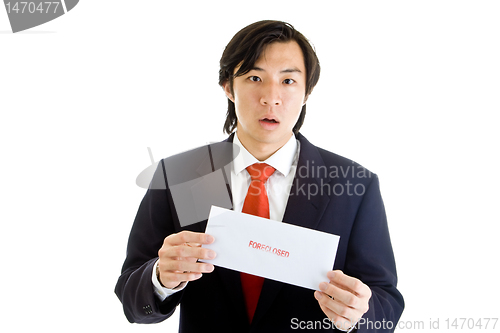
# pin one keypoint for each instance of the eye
(254, 78)
(288, 81)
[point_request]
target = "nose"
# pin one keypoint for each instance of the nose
(270, 95)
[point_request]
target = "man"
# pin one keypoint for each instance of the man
(268, 71)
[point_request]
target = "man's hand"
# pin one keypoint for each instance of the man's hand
(344, 300)
(178, 258)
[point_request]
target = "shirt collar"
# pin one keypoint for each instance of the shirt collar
(281, 160)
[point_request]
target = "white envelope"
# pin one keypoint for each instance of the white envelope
(271, 249)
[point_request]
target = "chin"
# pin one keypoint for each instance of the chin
(273, 138)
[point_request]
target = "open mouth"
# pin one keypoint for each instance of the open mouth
(269, 124)
(267, 120)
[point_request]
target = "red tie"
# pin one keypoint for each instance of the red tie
(256, 203)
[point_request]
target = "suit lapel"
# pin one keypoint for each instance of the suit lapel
(219, 157)
(306, 203)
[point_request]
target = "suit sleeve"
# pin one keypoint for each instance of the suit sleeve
(370, 258)
(154, 222)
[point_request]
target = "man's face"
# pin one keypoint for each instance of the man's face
(269, 98)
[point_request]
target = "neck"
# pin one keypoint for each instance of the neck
(261, 150)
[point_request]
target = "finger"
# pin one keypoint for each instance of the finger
(343, 319)
(188, 237)
(192, 244)
(182, 251)
(336, 306)
(177, 278)
(183, 266)
(340, 295)
(349, 283)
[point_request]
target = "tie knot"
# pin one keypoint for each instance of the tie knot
(260, 171)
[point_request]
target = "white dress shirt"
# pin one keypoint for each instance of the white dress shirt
(277, 186)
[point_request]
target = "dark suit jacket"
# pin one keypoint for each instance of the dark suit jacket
(341, 198)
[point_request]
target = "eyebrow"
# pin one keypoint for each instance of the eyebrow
(288, 70)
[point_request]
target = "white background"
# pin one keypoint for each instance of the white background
(408, 89)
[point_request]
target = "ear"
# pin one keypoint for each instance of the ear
(227, 90)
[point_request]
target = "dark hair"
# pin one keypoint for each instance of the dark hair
(246, 47)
